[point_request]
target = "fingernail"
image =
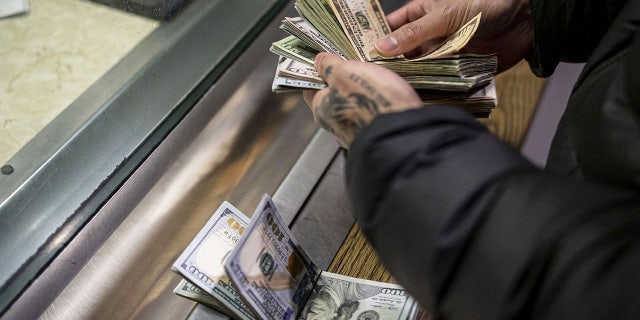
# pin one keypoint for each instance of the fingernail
(388, 45)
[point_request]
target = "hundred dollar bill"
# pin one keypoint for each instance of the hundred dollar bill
(202, 262)
(190, 291)
(269, 268)
(340, 297)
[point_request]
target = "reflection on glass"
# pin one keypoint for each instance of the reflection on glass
(52, 54)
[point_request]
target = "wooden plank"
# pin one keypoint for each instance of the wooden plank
(518, 94)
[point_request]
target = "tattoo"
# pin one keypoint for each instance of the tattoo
(328, 71)
(349, 114)
(345, 115)
(371, 90)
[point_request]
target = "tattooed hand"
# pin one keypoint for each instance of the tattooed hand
(357, 92)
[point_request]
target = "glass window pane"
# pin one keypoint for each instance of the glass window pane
(53, 53)
(87, 92)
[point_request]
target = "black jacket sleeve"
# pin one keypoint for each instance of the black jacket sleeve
(474, 231)
(568, 30)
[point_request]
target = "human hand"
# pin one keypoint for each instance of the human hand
(421, 25)
(357, 92)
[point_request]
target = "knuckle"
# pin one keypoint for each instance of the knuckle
(411, 31)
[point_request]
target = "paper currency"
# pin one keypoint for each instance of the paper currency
(294, 75)
(438, 70)
(295, 49)
(294, 69)
(364, 23)
(479, 104)
(456, 41)
(269, 268)
(278, 280)
(284, 84)
(312, 37)
(340, 297)
(319, 14)
(202, 263)
(462, 65)
(190, 291)
(350, 28)
(272, 274)
(451, 75)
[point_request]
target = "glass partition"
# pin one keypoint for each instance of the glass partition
(53, 53)
(87, 91)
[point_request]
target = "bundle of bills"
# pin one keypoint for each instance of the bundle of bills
(350, 28)
(259, 271)
(202, 264)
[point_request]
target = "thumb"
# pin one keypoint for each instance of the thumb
(411, 35)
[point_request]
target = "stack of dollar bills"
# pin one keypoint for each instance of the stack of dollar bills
(350, 28)
(257, 270)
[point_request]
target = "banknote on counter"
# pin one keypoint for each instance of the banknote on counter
(269, 268)
(278, 280)
(258, 270)
(192, 292)
(335, 295)
(202, 262)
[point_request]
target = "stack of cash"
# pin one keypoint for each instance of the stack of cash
(202, 264)
(257, 270)
(350, 28)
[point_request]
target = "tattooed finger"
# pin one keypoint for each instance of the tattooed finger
(327, 71)
(324, 64)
